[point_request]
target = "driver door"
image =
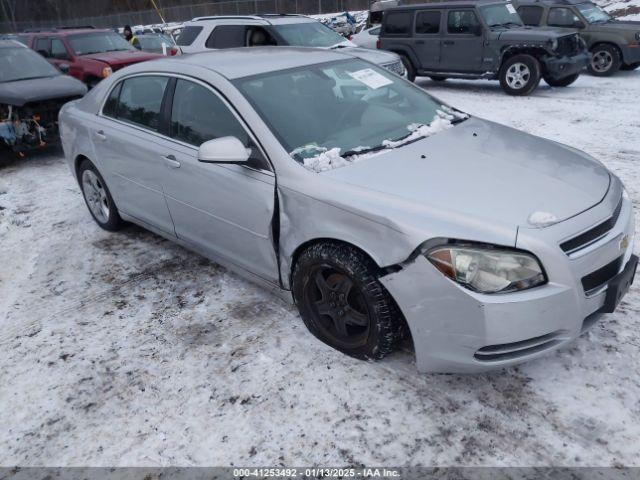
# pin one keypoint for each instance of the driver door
(224, 210)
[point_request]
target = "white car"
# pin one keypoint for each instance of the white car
(219, 32)
(367, 38)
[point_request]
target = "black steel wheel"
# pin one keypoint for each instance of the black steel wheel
(343, 303)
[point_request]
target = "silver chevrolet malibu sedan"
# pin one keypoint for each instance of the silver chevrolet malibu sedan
(379, 210)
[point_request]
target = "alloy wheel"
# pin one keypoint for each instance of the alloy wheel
(95, 195)
(518, 75)
(601, 61)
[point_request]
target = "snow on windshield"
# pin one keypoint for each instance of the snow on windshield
(320, 159)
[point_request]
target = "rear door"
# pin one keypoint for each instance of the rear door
(462, 43)
(129, 146)
(427, 38)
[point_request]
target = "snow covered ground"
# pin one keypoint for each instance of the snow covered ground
(124, 349)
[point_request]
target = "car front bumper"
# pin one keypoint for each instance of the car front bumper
(455, 330)
(565, 66)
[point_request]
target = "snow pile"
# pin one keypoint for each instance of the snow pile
(621, 9)
(320, 159)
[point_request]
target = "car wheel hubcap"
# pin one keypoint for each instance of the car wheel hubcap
(96, 195)
(518, 76)
(601, 61)
(339, 307)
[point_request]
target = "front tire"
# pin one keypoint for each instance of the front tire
(98, 198)
(605, 60)
(410, 69)
(520, 75)
(342, 302)
(561, 82)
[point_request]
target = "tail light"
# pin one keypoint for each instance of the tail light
(378, 44)
(173, 51)
(349, 37)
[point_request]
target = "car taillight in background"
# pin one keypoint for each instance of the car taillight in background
(378, 44)
(173, 51)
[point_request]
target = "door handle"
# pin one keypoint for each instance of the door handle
(100, 135)
(171, 161)
(449, 42)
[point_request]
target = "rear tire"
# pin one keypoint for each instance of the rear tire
(520, 75)
(408, 66)
(605, 60)
(562, 82)
(342, 302)
(98, 198)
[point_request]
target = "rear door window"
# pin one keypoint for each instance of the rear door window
(43, 46)
(462, 21)
(188, 35)
(227, 36)
(530, 15)
(428, 22)
(397, 23)
(561, 17)
(58, 49)
(141, 100)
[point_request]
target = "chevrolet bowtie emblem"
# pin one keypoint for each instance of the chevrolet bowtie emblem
(624, 242)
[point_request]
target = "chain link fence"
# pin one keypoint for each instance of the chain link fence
(186, 12)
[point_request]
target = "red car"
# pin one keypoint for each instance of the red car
(87, 54)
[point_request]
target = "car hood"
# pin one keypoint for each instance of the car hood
(125, 57)
(616, 26)
(22, 92)
(480, 170)
(530, 34)
(374, 56)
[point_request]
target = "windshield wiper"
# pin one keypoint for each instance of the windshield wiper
(362, 151)
(339, 46)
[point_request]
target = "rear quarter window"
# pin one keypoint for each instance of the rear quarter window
(397, 23)
(188, 35)
(227, 36)
(428, 22)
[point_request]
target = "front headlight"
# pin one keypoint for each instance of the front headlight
(488, 270)
(553, 44)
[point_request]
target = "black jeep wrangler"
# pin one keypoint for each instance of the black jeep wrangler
(614, 44)
(483, 39)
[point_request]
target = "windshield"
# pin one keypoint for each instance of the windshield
(501, 15)
(89, 43)
(154, 42)
(329, 115)
(309, 34)
(593, 13)
(21, 63)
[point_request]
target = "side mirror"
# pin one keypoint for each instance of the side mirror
(64, 68)
(223, 150)
(578, 24)
(44, 53)
(477, 30)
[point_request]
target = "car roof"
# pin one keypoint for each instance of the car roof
(265, 19)
(553, 2)
(233, 63)
(450, 4)
(11, 44)
(67, 31)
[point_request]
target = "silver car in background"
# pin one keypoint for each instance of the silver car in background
(493, 246)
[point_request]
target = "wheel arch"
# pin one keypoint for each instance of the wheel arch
(295, 255)
(537, 52)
